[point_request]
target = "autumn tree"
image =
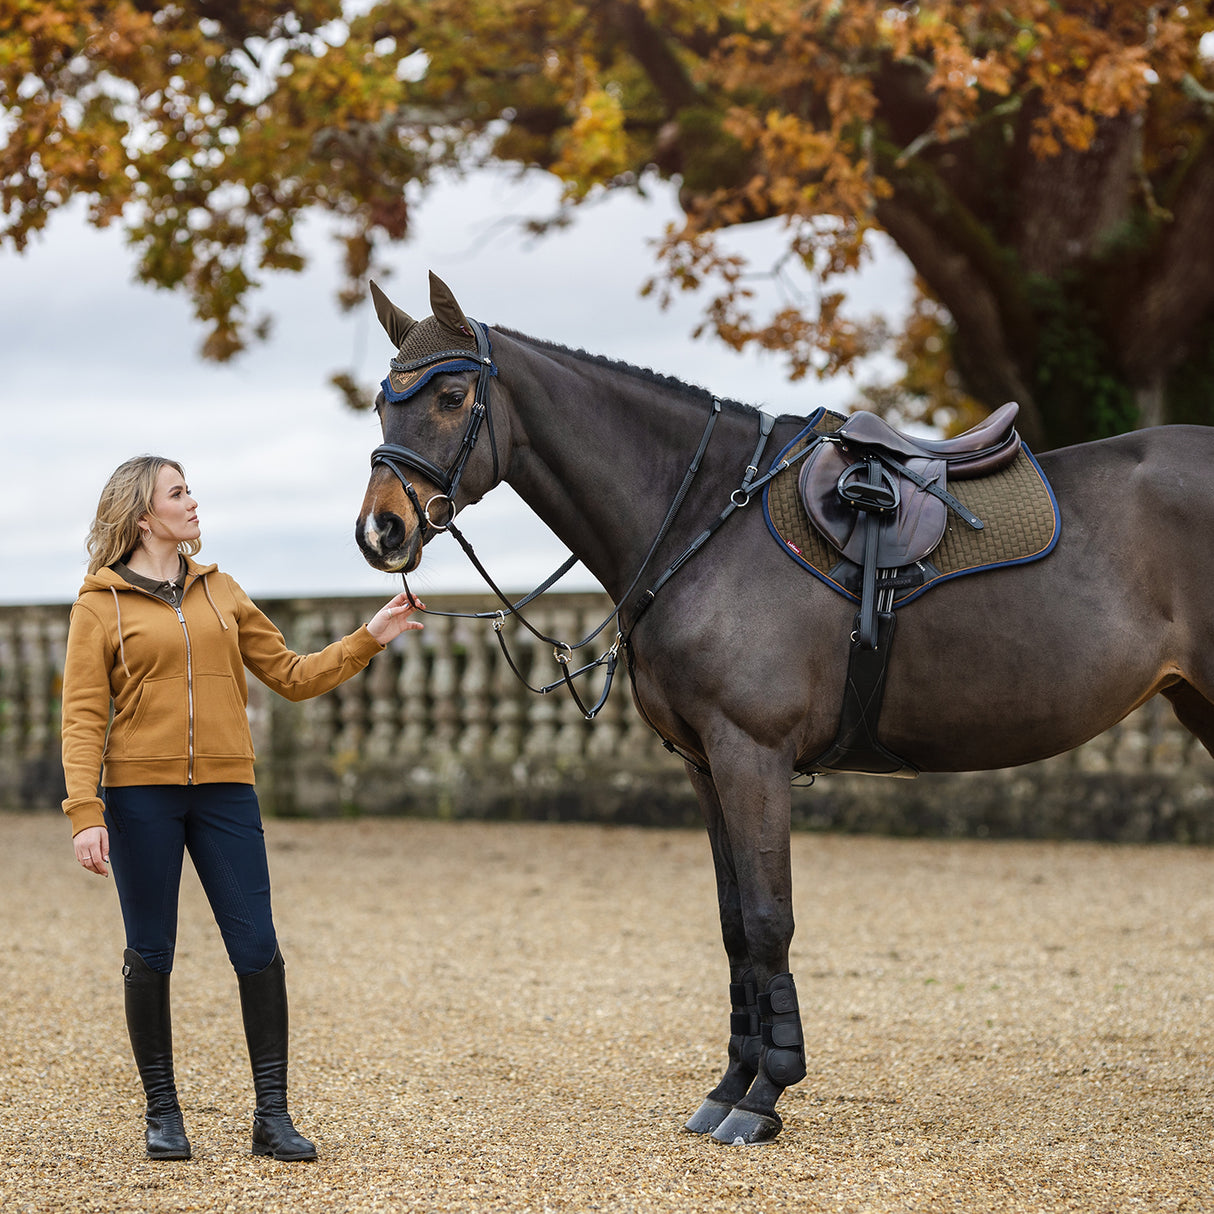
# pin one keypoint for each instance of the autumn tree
(1046, 165)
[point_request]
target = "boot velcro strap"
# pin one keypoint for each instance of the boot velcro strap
(782, 1036)
(741, 994)
(778, 1002)
(744, 1024)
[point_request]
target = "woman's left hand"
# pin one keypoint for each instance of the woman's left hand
(92, 848)
(393, 618)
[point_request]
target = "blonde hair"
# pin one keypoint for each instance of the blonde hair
(126, 498)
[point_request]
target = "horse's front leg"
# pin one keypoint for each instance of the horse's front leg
(745, 1036)
(752, 787)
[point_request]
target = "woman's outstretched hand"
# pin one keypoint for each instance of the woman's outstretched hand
(393, 618)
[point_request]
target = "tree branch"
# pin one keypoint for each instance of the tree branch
(649, 47)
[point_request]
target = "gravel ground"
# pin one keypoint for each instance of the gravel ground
(519, 1018)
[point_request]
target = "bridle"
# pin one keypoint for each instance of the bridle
(397, 458)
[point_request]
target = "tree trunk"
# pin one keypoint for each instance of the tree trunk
(1151, 401)
(989, 368)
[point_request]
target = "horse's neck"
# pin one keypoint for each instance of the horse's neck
(604, 456)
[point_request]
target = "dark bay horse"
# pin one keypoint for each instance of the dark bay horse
(739, 658)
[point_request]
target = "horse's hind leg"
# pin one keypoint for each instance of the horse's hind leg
(745, 1041)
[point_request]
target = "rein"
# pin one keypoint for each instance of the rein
(397, 459)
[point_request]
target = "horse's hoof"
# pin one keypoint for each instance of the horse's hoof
(708, 1117)
(742, 1128)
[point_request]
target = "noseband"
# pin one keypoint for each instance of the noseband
(397, 458)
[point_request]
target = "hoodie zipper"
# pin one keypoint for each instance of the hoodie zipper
(189, 677)
(189, 693)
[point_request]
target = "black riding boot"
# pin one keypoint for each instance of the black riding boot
(263, 1004)
(149, 1023)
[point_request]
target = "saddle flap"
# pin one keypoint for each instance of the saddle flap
(905, 536)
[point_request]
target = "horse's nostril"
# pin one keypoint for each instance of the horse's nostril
(391, 531)
(381, 532)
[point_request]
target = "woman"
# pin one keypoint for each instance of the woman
(166, 640)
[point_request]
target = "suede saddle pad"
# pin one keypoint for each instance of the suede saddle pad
(1020, 519)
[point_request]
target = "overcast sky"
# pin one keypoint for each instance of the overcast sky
(97, 368)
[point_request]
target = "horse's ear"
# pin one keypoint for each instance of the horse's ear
(444, 307)
(395, 322)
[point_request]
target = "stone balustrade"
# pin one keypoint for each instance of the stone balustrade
(440, 725)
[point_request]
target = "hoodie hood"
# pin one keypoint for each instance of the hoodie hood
(107, 579)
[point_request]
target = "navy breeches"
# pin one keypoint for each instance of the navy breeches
(151, 828)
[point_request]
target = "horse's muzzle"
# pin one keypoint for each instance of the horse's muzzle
(387, 543)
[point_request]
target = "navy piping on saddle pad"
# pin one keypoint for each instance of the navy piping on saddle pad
(934, 581)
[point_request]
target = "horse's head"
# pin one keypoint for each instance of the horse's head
(431, 409)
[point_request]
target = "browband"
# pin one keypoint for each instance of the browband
(403, 381)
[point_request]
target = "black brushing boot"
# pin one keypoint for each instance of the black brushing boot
(783, 1039)
(149, 1023)
(263, 1004)
(745, 1051)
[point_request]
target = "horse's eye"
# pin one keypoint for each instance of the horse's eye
(451, 399)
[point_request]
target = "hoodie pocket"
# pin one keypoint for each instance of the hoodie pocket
(157, 727)
(221, 724)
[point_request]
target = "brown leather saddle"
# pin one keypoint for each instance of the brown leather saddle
(869, 471)
(881, 499)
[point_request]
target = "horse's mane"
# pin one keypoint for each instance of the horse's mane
(642, 373)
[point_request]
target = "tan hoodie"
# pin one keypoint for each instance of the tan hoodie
(176, 679)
